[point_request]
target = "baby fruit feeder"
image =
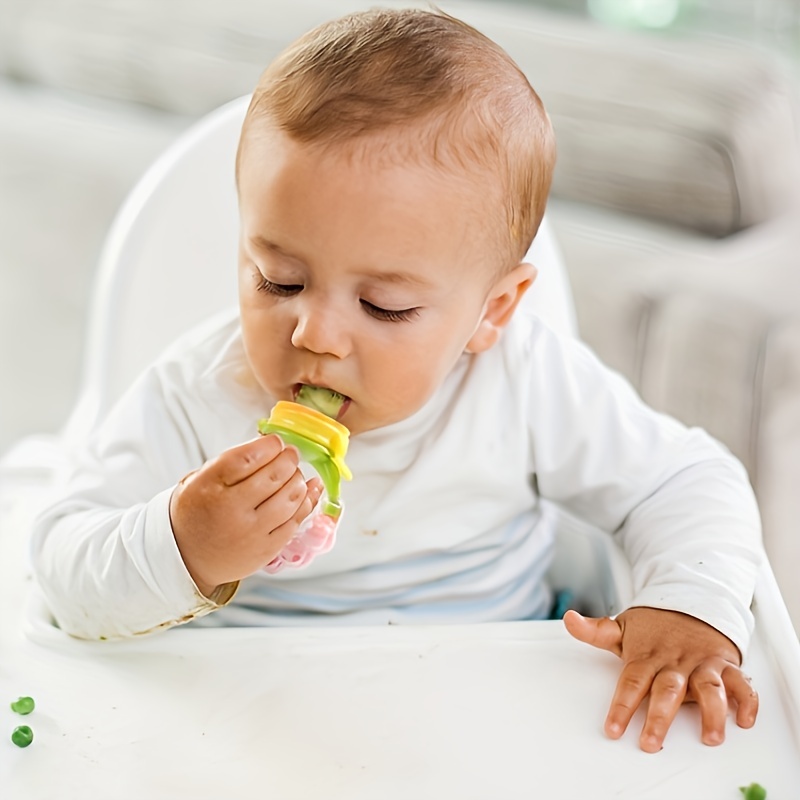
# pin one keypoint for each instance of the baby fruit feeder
(322, 443)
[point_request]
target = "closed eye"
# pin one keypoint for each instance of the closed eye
(278, 289)
(288, 290)
(389, 315)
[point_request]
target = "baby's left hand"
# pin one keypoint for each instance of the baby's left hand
(674, 658)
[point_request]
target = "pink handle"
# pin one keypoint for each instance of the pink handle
(316, 536)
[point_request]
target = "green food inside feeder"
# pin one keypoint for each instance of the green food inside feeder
(326, 401)
(755, 791)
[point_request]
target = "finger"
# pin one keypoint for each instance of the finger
(667, 694)
(708, 691)
(603, 632)
(259, 487)
(315, 487)
(240, 462)
(281, 505)
(286, 530)
(738, 686)
(632, 687)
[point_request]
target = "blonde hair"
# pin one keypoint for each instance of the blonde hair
(469, 105)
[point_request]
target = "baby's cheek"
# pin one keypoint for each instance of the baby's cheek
(413, 389)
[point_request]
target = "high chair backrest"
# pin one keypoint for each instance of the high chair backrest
(169, 262)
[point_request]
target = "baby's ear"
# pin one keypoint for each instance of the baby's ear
(501, 303)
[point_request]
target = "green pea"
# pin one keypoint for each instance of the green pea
(23, 705)
(755, 791)
(22, 736)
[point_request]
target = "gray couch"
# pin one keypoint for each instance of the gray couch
(674, 200)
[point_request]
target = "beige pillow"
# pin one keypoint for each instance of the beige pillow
(698, 133)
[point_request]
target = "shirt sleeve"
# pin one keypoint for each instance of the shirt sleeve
(104, 553)
(678, 502)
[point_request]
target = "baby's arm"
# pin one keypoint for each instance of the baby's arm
(685, 515)
(694, 549)
(672, 658)
(105, 555)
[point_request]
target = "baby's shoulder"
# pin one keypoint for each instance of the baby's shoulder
(205, 339)
(208, 357)
(529, 342)
(537, 359)
(205, 379)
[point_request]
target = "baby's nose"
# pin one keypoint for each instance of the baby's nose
(322, 330)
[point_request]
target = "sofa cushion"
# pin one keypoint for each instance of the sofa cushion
(698, 133)
(693, 133)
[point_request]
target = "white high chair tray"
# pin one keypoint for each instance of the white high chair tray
(510, 710)
(476, 712)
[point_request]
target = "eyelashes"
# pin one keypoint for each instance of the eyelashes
(289, 290)
(390, 315)
(278, 289)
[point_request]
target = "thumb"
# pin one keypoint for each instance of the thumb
(601, 632)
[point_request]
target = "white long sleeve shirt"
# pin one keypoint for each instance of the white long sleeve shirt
(444, 519)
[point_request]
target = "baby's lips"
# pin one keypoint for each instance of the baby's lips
(344, 408)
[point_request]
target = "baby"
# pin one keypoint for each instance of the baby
(392, 172)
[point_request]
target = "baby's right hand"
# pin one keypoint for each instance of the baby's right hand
(238, 511)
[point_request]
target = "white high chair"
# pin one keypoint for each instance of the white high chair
(453, 711)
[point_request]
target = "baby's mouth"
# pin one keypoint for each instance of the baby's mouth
(327, 401)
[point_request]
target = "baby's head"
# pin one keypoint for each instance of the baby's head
(393, 170)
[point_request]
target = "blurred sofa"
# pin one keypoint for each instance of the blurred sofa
(675, 199)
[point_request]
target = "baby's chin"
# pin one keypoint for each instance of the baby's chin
(362, 420)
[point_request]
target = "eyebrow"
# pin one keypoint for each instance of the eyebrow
(264, 244)
(394, 276)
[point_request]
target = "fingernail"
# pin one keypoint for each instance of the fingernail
(614, 730)
(650, 744)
